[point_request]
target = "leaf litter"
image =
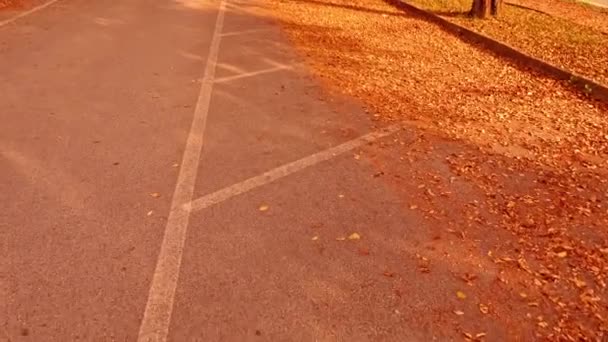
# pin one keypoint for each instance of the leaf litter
(535, 148)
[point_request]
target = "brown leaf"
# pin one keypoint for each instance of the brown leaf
(354, 236)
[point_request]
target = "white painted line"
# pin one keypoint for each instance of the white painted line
(284, 171)
(239, 33)
(157, 315)
(28, 12)
(251, 74)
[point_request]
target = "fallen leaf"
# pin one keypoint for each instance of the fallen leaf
(341, 238)
(315, 238)
(341, 196)
(175, 165)
(461, 295)
(562, 254)
(264, 207)
(354, 236)
(483, 308)
(458, 312)
(480, 335)
(150, 213)
(388, 274)
(413, 206)
(579, 283)
(155, 194)
(357, 157)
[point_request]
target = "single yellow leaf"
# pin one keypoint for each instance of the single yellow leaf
(461, 295)
(315, 238)
(562, 254)
(354, 236)
(264, 207)
(150, 212)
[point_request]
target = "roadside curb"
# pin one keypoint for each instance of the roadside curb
(584, 84)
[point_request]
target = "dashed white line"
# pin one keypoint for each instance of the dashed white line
(159, 307)
(28, 12)
(285, 170)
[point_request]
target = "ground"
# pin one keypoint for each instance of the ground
(290, 170)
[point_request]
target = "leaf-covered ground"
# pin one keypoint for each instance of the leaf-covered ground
(507, 165)
(9, 3)
(577, 41)
(576, 12)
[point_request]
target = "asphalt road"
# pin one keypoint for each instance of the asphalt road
(99, 159)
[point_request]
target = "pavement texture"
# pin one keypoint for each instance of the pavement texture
(97, 102)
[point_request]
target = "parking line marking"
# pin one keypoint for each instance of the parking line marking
(159, 307)
(26, 13)
(285, 170)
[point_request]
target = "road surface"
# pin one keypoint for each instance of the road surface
(170, 171)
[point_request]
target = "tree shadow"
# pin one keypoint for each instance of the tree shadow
(452, 14)
(354, 8)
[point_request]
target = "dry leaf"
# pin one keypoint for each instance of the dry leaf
(354, 236)
(357, 157)
(264, 207)
(315, 238)
(175, 165)
(155, 194)
(341, 239)
(458, 312)
(150, 213)
(461, 295)
(388, 274)
(483, 308)
(562, 254)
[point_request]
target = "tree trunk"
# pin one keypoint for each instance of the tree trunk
(496, 7)
(481, 8)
